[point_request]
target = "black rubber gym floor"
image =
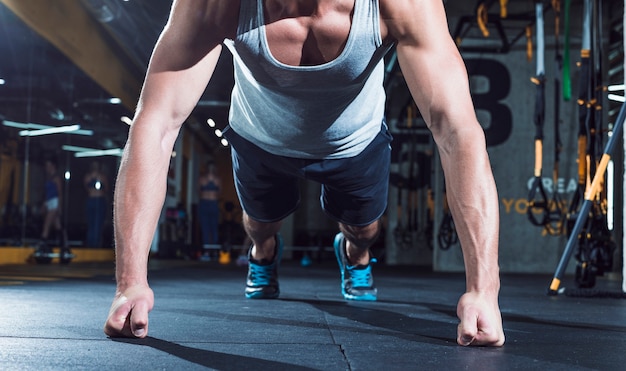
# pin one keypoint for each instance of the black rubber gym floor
(51, 318)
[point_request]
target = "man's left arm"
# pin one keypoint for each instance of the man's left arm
(438, 81)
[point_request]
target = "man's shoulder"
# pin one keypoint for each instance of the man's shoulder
(391, 9)
(225, 12)
(214, 16)
(409, 18)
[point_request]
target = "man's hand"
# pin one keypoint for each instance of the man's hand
(481, 321)
(128, 316)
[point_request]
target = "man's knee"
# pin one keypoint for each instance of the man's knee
(361, 236)
(260, 230)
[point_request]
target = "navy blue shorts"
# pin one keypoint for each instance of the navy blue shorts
(354, 190)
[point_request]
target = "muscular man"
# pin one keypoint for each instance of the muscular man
(308, 102)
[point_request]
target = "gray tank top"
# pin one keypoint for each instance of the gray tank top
(332, 110)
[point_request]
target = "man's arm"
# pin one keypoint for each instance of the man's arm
(181, 65)
(438, 81)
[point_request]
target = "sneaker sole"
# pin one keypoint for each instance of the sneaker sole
(367, 297)
(260, 295)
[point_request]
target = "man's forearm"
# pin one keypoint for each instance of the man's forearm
(473, 200)
(139, 195)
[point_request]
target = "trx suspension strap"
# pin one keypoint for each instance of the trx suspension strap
(503, 8)
(590, 196)
(529, 42)
(595, 252)
(567, 82)
(447, 235)
(585, 96)
(537, 199)
(482, 16)
(591, 102)
(598, 88)
(554, 224)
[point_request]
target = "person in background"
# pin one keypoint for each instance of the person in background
(209, 186)
(52, 202)
(96, 185)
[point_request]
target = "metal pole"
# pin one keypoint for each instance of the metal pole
(589, 198)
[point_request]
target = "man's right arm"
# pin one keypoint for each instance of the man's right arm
(181, 65)
(437, 79)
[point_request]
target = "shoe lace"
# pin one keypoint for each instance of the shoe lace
(260, 274)
(361, 277)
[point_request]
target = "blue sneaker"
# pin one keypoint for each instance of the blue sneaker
(262, 281)
(357, 282)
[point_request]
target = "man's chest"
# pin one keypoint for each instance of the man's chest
(308, 40)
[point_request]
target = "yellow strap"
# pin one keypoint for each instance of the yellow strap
(482, 19)
(582, 159)
(598, 179)
(503, 9)
(556, 5)
(538, 157)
